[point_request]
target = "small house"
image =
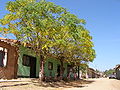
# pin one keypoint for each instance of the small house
(8, 59)
(92, 73)
(22, 62)
(117, 71)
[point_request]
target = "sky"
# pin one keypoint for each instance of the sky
(103, 22)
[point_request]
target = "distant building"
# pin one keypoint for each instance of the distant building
(117, 70)
(92, 73)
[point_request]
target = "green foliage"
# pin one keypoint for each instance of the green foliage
(109, 72)
(49, 29)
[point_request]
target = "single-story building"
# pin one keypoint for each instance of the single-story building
(117, 71)
(29, 64)
(22, 62)
(92, 73)
(8, 59)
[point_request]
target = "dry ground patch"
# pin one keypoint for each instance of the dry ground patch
(33, 84)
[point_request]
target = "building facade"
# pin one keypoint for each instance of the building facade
(22, 62)
(29, 65)
(8, 59)
(117, 71)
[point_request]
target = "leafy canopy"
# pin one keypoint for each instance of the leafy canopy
(49, 28)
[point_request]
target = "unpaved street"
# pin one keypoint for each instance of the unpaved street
(94, 84)
(104, 84)
(101, 84)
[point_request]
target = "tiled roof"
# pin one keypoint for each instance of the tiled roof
(91, 69)
(9, 41)
(117, 66)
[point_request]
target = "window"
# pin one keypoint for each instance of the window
(3, 57)
(26, 60)
(50, 65)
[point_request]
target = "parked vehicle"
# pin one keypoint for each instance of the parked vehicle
(112, 76)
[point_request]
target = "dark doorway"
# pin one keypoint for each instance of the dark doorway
(30, 61)
(58, 70)
(32, 67)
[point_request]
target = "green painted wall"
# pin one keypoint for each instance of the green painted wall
(54, 70)
(25, 71)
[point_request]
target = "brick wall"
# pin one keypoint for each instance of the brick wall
(10, 70)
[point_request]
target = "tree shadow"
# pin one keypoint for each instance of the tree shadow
(22, 84)
(64, 84)
(53, 84)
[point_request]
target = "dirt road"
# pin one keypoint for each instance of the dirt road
(94, 84)
(100, 84)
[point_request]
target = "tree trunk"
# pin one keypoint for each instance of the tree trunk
(41, 72)
(61, 69)
(78, 72)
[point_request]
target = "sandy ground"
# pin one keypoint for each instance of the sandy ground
(100, 84)
(91, 84)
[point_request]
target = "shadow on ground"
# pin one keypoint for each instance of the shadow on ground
(14, 85)
(35, 82)
(64, 84)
